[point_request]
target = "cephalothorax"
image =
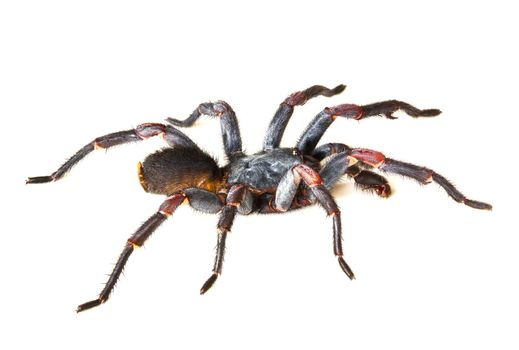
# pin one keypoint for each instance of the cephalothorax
(273, 180)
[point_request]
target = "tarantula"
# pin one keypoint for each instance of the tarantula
(274, 180)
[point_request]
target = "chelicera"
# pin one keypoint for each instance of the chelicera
(274, 180)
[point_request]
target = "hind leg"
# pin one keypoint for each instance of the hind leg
(172, 136)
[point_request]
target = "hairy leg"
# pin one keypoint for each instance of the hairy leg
(286, 109)
(228, 124)
(325, 118)
(172, 136)
(421, 174)
(237, 195)
(135, 241)
(313, 180)
(337, 166)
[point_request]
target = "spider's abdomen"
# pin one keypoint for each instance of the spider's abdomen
(264, 170)
(173, 169)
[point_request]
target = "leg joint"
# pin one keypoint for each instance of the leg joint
(367, 156)
(134, 244)
(171, 204)
(309, 175)
(147, 130)
(214, 109)
(298, 98)
(345, 110)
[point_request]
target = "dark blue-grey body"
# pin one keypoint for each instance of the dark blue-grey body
(263, 171)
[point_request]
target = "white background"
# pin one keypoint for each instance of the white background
(431, 273)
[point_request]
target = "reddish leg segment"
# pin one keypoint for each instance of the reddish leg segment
(338, 164)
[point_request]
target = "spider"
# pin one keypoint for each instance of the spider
(274, 180)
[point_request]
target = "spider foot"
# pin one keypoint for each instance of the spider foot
(209, 283)
(39, 179)
(347, 270)
(383, 191)
(89, 305)
(429, 113)
(477, 205)
(409, 110)
(414, 112)
(299, 98)
(387, 108)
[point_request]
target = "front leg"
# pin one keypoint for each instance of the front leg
(339, 164)
(286, 109)
(228, 124)
(326, 117)
(286, 192)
